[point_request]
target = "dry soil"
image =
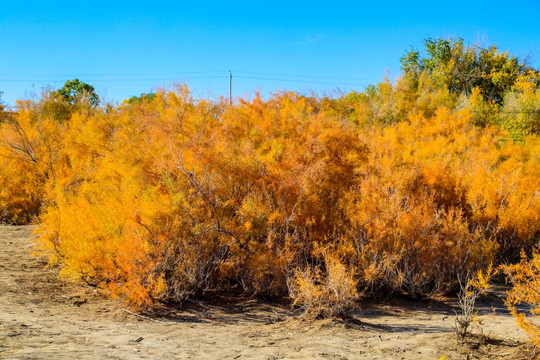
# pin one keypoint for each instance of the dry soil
(45, 317)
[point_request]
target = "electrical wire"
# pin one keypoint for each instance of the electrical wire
(112, 75)
(273, 77)
(119, 80)
(303, 76)
(300, 81)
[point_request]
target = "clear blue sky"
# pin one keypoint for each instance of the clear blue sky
(126, 48)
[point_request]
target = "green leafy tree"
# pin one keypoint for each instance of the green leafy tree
(142, 99)
(462, 68)
(76, 91)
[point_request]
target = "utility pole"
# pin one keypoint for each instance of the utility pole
(230, 88)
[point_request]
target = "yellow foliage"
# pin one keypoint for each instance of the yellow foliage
(326, 293)
(173, 196)
(526, 290)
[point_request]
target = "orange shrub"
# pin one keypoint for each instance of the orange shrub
(164, 199)
(326, 293)
(525, 290)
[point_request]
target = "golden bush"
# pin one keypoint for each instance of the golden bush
(166, 198)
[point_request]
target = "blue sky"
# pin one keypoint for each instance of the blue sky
(127, 48)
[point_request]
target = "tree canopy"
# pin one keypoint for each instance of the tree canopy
(462, 68)
(143, 98)
(76, 91)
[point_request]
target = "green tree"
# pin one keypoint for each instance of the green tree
(462, 68)
(143, 98)
(76, 91)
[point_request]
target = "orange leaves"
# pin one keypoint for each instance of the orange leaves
(168, 197)
(327, 294)
(525, 290)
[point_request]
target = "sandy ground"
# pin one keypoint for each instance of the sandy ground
(44, 317)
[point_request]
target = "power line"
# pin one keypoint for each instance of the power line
(306, 76)
(302, 81)
(118, 74)
(280, 77)
(188, 73)
(115, 80)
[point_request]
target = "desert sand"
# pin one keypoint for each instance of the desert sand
(45, 317)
